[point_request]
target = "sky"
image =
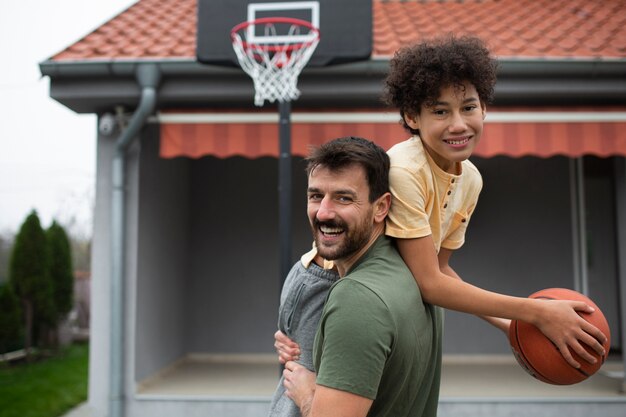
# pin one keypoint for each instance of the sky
(47, 152)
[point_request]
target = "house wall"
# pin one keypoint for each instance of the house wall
(234, 281)
(208, 254)
(233, 247)
(163, 270)
(602, 251)
(202, 253)
(518, 242)
(99, 346)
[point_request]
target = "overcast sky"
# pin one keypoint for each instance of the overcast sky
(47, 152)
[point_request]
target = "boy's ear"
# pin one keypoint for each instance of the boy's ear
(412, 121)
(484, 109)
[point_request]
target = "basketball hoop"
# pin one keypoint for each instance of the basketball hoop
(274, 61)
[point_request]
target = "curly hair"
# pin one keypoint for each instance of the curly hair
(418, 72)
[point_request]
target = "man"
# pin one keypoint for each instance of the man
(377, 350)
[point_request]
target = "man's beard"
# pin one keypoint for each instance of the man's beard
(353, 240)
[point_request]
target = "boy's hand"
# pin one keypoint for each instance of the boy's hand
(299, 385)
(287, 349)
(560, 322)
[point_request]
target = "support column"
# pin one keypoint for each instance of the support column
(579, 228)
(620, 209)
(284, 189)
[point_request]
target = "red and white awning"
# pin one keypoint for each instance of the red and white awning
(571, 133)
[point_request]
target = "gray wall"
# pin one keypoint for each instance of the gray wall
(518, 242)
(163, 270)
(602, 255)
(208, 271)
(99, 347)
(234, 286)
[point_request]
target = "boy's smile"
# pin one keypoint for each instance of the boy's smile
(451, 127)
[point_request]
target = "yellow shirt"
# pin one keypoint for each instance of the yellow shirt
(427, 200)
(308, 257)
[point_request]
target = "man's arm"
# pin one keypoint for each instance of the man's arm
(329, 402)
(318, 400)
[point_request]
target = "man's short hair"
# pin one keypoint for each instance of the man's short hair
(343, 152)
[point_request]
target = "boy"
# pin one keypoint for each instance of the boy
(441, 88)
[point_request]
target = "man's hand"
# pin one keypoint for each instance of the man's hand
(299, 385)
(287, 349)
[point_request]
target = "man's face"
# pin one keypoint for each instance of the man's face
(339, 211)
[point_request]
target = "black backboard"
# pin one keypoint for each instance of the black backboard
(345, 28)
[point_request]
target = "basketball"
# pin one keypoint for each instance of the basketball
(538, 356)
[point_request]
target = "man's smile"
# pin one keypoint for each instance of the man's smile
(330, 230)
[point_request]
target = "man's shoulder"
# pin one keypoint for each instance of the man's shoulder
(382, 251)
(381, 265)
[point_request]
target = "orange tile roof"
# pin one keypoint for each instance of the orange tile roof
(166, 29)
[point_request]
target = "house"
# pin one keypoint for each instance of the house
(185, 269)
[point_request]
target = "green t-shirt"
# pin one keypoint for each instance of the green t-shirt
(378, 339)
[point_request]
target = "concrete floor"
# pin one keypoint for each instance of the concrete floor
(463, 377)
(207, 385)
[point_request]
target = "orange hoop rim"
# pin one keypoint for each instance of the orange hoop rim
(274, 48)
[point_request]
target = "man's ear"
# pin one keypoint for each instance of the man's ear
(381, 207)
(484, 109)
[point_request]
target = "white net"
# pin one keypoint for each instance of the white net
(274, 66)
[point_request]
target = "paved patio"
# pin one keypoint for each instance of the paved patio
(471, 386)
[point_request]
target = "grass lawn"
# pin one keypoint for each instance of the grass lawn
(47, 387)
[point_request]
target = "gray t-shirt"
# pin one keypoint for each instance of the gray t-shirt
(301, 304)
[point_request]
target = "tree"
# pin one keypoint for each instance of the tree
(29, 277)
(6, 242)
(10, 319)
(61, 271)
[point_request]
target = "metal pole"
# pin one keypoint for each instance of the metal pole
(284, 189)
(620, 205)
(579, 227)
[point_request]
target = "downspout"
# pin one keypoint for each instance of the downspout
(148, 77)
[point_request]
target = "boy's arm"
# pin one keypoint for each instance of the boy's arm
(558, 320)
(444, 266)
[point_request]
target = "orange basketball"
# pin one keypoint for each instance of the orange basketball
(540, 357)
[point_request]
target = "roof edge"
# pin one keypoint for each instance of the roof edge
(88, 86)
(507, 67)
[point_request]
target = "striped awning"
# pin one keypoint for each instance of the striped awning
(511, 133)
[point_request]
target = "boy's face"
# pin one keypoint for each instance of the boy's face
(451, 127)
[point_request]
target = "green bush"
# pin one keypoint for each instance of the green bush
(10, 320)
(29, 278)
(60, 270)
